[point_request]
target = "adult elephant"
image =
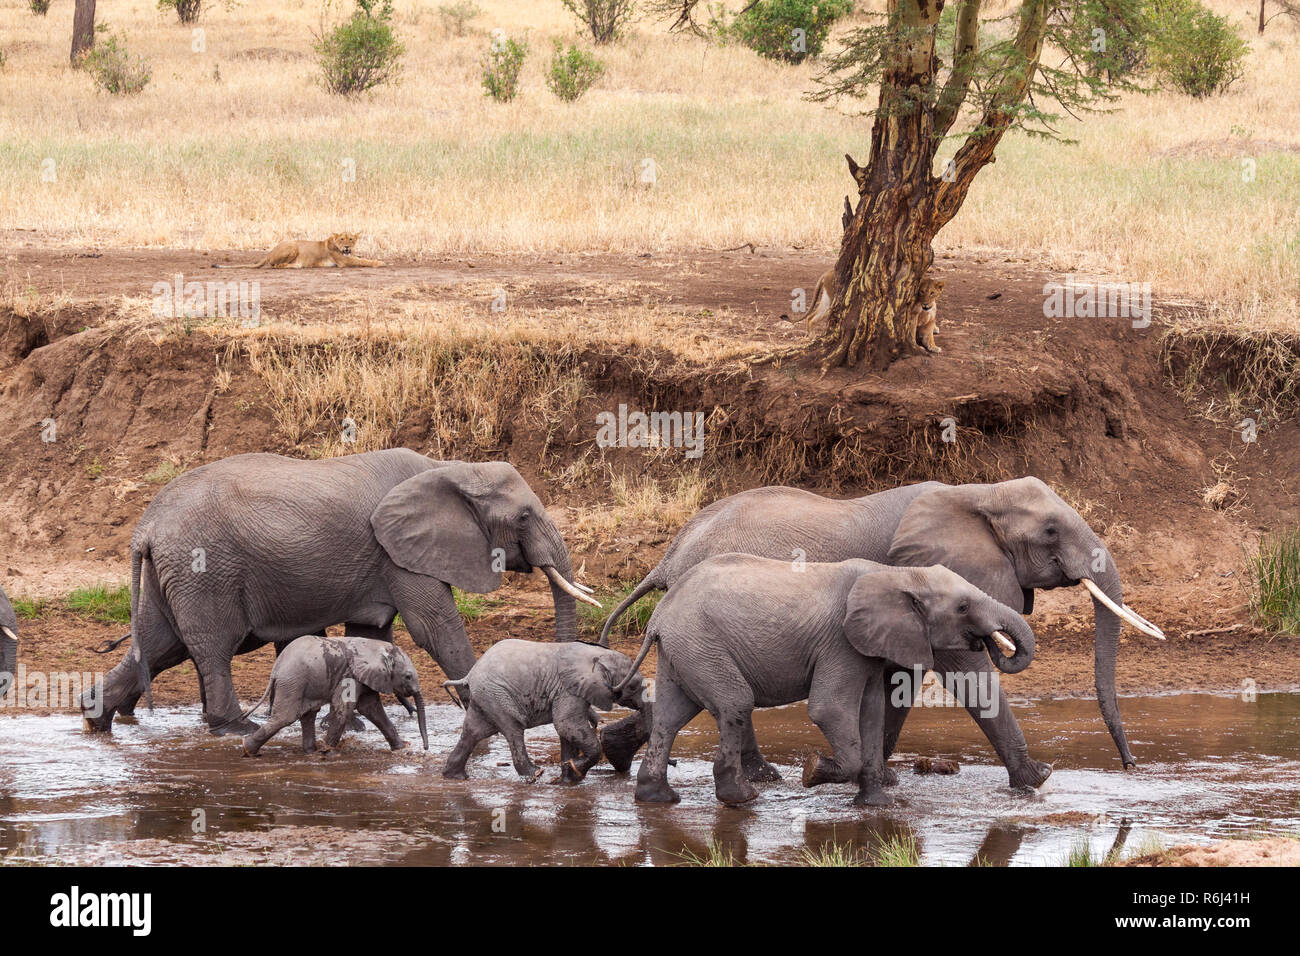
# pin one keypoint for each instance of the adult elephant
(262, 548)
(1008, 539)
(8, 644)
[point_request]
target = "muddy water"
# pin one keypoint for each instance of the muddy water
(163, 791)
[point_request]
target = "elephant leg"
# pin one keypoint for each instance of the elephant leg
(220, 704)
(342, 709)
(623, 738)
(994, 715)
(278, 720)
(752, 763)
(372, 708)
(673, 710)
(429, 611)
(871, 776)
(577, 737)
(308, 723)
(476, 727)
(900, 693)
(513, 731)
(729, 781)
(836, 682)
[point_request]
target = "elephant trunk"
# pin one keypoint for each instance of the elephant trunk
(419, 715)
(1022, 636)
(1107, 624)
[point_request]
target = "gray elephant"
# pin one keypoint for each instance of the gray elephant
(517, 685)
(738, 632)
(1007, 539)
(349, 674)
(8, 644)
(261, 548)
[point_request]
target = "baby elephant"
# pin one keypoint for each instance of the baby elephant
(738, 632)
(521, 684)
(349, 674)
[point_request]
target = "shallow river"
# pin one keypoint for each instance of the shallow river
(162, 790)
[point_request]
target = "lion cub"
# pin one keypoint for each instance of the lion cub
(336, 251)
(923, 319)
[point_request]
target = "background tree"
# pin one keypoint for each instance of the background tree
(996, 76)
(83, 28)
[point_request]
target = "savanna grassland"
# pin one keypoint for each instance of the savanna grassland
(238, 146)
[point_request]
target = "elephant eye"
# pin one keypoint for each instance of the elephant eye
(963, 608)
(1051, 531)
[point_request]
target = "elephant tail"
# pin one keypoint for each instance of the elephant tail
(450, 685)
(651, 637)
(269, 692)
(649, 583)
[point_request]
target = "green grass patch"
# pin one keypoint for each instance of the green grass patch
(474, 606)
(1275, 582)
(107, 603)
(715, 855)
(631, 624)
(898, 850)
(30, 608)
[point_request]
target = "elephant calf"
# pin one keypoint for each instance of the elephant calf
(521, 684)
(738, 632)
(349, 674)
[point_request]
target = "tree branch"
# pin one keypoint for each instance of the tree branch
(965, 54)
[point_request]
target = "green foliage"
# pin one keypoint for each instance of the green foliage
(29, 608)
(1194, 50)
(113, 68)
(501, 68)
(187, 11)
(606, 19)
(109, 604)
(631, 624)
(898, 850)
(362, 52)
(1110, 42)
(716, 855)
(455, 17)
(1275, 582)
(473, 606)
(572, 72)
(39, 7)
(1081, 854)
(788, 30)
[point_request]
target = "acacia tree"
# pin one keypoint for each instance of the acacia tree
(996, 75)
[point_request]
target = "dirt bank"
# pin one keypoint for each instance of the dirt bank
(1085, 404)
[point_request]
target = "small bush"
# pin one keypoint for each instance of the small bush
(606, 19)
(39, 7)
(362, 53)
(455, 17)
(1111, 47)
(1275, 582)
(501, 69)
(101, 602)
(113, 68)
(187, 11)
(572, 72)
(788, 30)
(1193, 50)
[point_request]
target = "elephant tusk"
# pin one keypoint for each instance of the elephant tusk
(558, 580)
(1124, 611)
(583, 587)
(1004, 642)
(8, 633)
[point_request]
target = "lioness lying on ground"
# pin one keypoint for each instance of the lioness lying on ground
(923, 317)
(310, 254)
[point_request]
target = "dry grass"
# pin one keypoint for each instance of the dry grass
(239, 147)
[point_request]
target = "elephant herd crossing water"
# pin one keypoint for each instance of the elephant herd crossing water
(774, 595)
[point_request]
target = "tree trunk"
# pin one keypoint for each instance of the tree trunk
(887, 246)
(1261, 17)
(83, 28)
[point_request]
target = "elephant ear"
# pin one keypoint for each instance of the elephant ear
(429, 524)
(373, 663)
(593, 684)
(884, 619)
(946, 526)
(7, 616)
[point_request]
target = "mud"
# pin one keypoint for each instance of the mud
(163, 791)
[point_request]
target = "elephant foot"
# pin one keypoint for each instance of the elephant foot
(454, 773)
(251, 746)
(758, 770)
(873, 797)
(656, 791)
(1030, 775)
(621, 740)
(817, 770)
(571, 773)
(531, 774)
(238, 726)
(735, 792)
(400, 745)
